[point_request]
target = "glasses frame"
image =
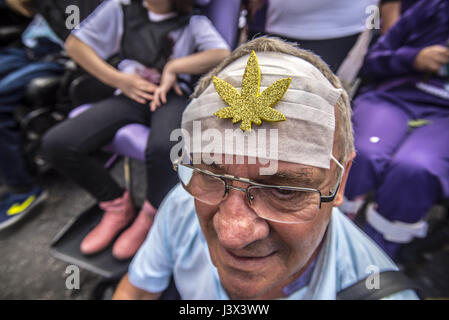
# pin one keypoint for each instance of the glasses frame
(251, 183)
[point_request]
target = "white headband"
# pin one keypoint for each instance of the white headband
(307, 135)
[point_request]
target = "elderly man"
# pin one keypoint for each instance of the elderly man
(245, 224)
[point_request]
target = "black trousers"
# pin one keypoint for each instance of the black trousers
(69, 145)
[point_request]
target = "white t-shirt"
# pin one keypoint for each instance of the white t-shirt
(103, 31)
(317, 19)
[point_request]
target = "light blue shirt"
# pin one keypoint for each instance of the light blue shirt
(176, 246)
(39, 28)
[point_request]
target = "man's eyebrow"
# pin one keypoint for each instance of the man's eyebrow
(305, 177)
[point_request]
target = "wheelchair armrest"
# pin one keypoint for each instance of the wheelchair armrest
(43, 91)
(10, 33)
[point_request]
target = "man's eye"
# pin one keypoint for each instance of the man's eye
(284, 192)
(289, 195)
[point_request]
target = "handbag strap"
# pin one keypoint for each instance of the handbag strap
(390, 282)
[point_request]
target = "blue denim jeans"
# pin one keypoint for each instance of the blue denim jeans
(16, 72)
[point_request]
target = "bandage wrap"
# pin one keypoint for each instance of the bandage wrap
(306, 137)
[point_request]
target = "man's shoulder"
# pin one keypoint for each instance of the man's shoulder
(358, 256)
(358, 248)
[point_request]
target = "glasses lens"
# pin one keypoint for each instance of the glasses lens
(204, 187)
(284, 205)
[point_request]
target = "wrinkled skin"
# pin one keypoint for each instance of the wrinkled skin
(256, 258)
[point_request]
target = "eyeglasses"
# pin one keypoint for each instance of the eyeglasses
(284, 204)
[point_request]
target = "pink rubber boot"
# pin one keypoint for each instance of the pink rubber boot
(118, 214)
(130, 241)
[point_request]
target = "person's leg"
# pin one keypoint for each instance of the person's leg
(417, 177)
(12, 87)
(160, 174)
(380, 125)
(13, 172)
(12, 59)
(12, 163)
(23, 195)
(69, 145)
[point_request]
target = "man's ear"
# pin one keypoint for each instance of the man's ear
(341, 191)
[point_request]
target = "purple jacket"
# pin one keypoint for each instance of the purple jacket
(423, 25)
(406, 4)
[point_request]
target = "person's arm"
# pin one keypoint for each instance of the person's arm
(390, 11)
(391, 56)
(197, 63)
(126, 291)
(132, 85)
(21, 7)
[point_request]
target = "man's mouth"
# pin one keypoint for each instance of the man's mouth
(246, 261)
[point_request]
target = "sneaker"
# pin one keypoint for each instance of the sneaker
(130, 241)
(118, 215)
(15, 206)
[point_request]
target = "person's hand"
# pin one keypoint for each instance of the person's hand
(136, 87)
(21, 6)
(431, 59)
(168, 81)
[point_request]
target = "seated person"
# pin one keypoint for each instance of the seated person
(401, 126)
(391, 10)
(156, 41)
(18, 66)
(259, 220)
(327, 27)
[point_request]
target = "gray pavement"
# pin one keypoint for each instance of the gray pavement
(27, 270)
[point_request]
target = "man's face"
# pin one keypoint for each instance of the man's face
(256, 258)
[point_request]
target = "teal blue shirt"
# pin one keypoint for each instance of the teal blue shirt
(176, 246)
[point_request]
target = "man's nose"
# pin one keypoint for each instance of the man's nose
(236, 224)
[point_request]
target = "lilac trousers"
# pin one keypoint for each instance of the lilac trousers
(407, 168)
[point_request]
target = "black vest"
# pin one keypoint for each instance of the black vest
(145, 41)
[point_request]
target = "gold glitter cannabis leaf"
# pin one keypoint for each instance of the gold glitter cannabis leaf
(248, 106)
